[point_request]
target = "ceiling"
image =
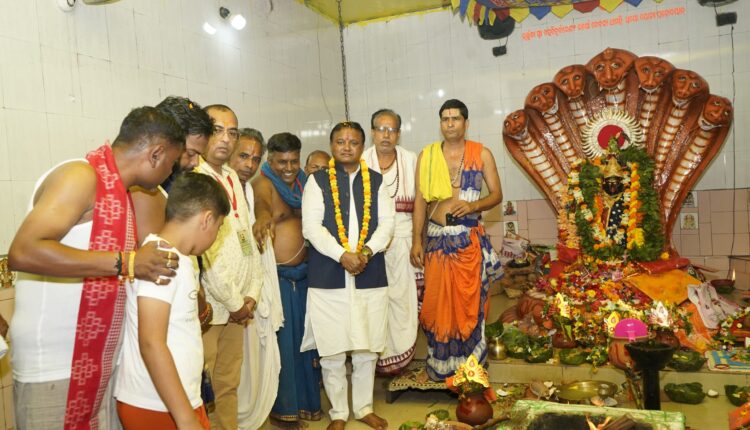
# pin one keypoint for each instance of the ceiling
(353, 11)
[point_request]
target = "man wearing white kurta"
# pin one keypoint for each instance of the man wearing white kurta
(398, 166)
(233, 275)
(261, 364)
(348, 294)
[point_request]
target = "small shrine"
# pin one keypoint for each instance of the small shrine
(616, 145)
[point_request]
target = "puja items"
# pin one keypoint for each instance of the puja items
(650, 357)
(626, 331)
(472, 384)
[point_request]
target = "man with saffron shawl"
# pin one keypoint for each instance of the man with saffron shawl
(457, 256)
(74, 251)
(347, 216)
(278, 201)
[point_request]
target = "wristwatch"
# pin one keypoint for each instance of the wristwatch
(367, 252)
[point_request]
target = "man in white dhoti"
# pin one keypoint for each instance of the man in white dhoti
(397, 165)
(261, 362)
(348, 218)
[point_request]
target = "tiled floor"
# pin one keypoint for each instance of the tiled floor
(711, 414)
(413, 406)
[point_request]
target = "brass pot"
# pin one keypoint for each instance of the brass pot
(496, 348)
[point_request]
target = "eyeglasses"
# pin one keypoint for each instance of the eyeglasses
(383, 129)
(232, 133)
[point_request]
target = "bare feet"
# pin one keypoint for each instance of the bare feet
(374, 421)
(336, 425)
(288, 425)
(422, 377)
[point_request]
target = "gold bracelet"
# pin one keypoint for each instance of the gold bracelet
(131, 267)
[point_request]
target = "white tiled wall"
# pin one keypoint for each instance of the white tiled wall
(413, 64)
(68, 79)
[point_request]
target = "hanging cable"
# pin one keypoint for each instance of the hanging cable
(343, 62)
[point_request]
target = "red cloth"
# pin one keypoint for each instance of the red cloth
(103, 298)
(661, 266)
(567, 255)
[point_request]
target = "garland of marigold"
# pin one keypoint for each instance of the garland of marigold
(641, 219)
(366, 191)
(635, 233)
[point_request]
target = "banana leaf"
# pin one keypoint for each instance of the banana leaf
(690, 393)
(515, 341)
(573, 356)
(737, 395)
(687, 361)
(539, 350)
(493, 330)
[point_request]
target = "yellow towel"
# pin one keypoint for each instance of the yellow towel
(434, 179)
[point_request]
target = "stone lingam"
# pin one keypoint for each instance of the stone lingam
(650, 357)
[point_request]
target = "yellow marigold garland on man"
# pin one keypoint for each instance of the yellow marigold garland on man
(348, 217)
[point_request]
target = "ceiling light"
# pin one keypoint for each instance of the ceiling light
(238, 22)
(208, 28)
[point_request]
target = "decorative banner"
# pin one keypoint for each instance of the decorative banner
(481, 11)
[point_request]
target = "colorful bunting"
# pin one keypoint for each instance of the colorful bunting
(462, 7)
(561, 10)
(609, 5)
(502, 14)
(519, 13)
(540, 11)
(587, 6)
(487, 11)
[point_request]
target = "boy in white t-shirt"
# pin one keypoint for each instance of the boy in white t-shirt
(159, 377)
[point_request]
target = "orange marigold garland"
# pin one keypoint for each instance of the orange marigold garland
(366, 191)
(640, 223)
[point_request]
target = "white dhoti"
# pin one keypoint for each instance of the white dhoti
(403, 314)
(259, 377)
(343, 320)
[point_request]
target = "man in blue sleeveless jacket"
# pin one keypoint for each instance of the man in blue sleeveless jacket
(348, 218)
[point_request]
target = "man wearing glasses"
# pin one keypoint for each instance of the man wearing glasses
(232, 273)
(397, 165)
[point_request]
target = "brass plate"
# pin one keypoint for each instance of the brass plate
(582, 390)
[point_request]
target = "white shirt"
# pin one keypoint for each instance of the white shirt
(399, 181)
(134, 385)
(230, 275)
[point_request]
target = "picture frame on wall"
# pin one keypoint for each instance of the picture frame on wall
(510, 228)
(509, 208)
(689, 221)
(691, 200)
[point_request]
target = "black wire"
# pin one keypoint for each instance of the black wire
(734, 151)
(734, 141)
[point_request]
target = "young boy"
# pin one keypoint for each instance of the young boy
(159, 378)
